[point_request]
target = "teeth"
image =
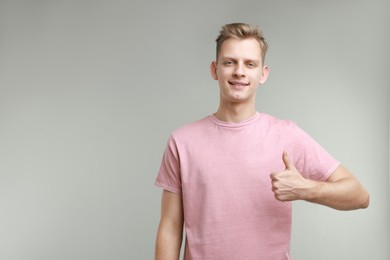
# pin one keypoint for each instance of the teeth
(239, 84)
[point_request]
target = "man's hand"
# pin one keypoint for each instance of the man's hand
(289, 184)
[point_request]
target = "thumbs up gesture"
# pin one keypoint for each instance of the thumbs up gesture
(289, 185)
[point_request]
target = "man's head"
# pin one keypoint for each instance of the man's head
(239, 67)
(241, 31)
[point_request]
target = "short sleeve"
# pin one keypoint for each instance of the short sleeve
(169, 177)
(310, 158)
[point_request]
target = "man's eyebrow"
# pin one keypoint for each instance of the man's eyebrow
(246, 60)
(252, 60)
(228, 58)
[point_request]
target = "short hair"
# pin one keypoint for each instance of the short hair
(242, 31)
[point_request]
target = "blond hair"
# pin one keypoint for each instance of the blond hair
(242, 31)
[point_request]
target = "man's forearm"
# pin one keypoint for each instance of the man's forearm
(343, 194)
(168, 244)
(341, 191)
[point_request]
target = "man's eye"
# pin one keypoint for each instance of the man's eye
(251, 65)
(228, 62)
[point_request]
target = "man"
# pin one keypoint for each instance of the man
(230, 177)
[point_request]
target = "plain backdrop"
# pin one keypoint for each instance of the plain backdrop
(91, 90)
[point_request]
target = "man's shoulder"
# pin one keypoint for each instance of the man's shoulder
(273, 121)
(191, 128)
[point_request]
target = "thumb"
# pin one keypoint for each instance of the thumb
(286, 160)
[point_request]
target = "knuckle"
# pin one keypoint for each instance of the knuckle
(278, 197)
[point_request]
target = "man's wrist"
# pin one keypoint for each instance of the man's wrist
(312, 191)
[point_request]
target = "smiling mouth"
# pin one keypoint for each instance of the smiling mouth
(238, 84)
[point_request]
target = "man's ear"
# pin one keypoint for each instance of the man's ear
(264, 74)
(213, 70)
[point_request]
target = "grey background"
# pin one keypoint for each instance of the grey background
(90, 91)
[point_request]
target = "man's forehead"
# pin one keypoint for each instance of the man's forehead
(249, 48)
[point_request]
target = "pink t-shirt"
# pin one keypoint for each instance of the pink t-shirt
(222, 171)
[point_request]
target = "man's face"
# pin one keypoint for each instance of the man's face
(239, 70)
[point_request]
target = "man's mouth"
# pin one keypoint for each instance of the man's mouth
(238, 84)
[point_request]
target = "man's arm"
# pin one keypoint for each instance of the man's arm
(170, 230)
(340, 191)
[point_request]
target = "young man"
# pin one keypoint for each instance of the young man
(230, 177)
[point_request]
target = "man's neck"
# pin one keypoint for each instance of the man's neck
(235, 112)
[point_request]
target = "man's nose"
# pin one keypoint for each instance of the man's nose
(239, 70)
